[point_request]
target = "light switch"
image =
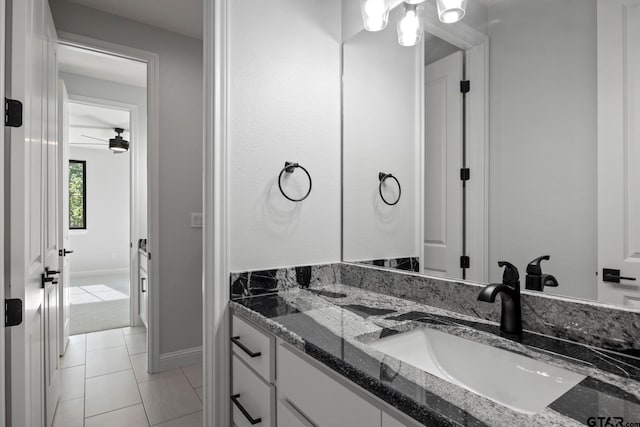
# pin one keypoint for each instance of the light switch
(196, 220)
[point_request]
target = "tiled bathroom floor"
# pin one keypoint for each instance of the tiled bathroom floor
(104, 383)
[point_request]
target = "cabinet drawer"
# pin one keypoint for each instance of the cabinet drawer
(252, 398)
(321, 399)
(254, 347)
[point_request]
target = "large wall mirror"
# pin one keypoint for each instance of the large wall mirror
(541, 157)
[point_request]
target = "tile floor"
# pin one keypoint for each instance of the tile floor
(104, 383)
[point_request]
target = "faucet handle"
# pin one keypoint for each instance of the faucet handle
(510, 276)
(534, 266)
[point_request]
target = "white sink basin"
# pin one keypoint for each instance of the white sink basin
(518, 382)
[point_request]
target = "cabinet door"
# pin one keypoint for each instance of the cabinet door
(389, 421)
(321, 399)
(288, 416)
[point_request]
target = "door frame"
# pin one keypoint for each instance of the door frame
(215, 254)
(3, 385)
(475, 46)
(134, 116)
(153, 163)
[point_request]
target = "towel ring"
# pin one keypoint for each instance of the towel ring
(383, 177)
(290, 167)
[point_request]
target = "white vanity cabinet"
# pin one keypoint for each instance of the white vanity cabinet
(322, 400)
(281, 386)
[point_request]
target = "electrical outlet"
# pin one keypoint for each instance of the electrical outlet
(196, 220)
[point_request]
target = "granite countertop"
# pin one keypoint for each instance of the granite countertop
(334, 323)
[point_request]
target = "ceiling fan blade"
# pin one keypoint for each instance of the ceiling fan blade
(88, 143)
(93, 137)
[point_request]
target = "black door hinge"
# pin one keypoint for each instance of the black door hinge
(465, 261)
(12, 312)
(465, 86)
(12, 113)
(465, 174)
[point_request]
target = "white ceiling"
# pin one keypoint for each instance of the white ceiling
(180, 16)
(102, 66)
(97, 122)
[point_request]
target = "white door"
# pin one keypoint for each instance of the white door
(63, 216)
(50, 217)
(32, 242)
(619, 151)
(443, 160)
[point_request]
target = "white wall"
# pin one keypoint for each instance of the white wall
(104, 245)
(382, 133)
(180, 185)
(284, 62)
(543, 139)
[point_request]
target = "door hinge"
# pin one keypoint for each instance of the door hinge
(465, 86)
(465, 174)
(465, 261)
(12, 113)
(12, 312)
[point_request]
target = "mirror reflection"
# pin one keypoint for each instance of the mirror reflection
(512, 134)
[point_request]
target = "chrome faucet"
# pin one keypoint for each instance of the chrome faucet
(509, 290)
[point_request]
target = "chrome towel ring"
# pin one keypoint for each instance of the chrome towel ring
(290, 167)
(382, 177)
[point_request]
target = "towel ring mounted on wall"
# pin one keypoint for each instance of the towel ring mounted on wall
(290, 167)
(383, 177)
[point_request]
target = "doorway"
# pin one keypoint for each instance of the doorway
(103, 198)
(99, 218)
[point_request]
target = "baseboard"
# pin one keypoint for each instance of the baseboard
(75, 274)
(180, 359)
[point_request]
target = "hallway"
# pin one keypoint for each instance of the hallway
(104, 383)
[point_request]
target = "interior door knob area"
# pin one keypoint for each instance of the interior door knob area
(64, 252)
(611, 275)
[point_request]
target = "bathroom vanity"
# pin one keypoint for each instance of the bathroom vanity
(333, 354)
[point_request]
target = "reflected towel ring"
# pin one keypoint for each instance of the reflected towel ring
(383, 177)
(290, 167)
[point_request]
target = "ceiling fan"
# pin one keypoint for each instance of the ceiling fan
(117, 144)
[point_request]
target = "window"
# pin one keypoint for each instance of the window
(77, 194)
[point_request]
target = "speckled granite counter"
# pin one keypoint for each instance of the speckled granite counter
(334, 323)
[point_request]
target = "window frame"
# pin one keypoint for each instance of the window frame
(84, 196)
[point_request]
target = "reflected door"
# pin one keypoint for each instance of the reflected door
(443, 208)
(619, 151)
(63, 216)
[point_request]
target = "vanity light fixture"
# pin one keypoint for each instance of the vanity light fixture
(451, 11)
(409, 27)
(375, 14)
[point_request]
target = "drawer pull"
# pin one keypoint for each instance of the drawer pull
(236, 341)
(246, 414)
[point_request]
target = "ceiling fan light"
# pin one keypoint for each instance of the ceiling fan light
(118, 144)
